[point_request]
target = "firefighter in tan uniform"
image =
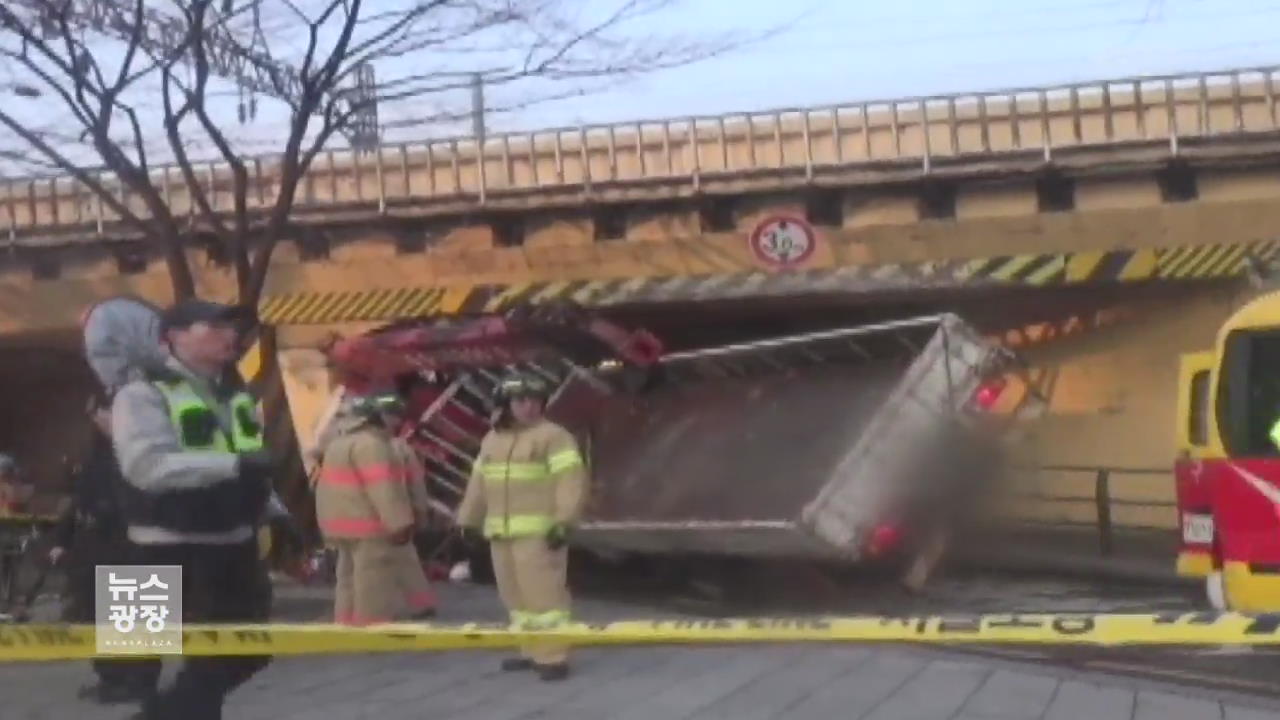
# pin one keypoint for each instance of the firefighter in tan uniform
(526, 490)
(365, 511)
(419, 595)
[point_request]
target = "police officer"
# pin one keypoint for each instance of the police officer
(525, 492)
(91, 532)
(190, 445)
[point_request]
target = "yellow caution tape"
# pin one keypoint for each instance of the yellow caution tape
(68, 642)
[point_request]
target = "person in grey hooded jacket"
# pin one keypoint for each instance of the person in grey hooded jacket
(190, 445)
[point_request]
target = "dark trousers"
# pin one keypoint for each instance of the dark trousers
(91, 548)
(220, 584)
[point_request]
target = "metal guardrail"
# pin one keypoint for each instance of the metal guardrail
(803, 141)
(1102, 499)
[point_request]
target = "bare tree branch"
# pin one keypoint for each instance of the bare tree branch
(293, 165)
(103, 61)
(84, 176)
(173, 123)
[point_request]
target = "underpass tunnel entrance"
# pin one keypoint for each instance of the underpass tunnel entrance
(996, 312)
(45, 384)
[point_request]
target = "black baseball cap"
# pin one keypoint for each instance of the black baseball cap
(185, 313)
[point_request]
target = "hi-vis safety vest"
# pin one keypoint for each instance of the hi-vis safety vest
(1275, 434)
(198, 428)
(197, 423)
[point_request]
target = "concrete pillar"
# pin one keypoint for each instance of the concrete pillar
(557, 231)
(370, 245)
(469, 237)
(309, 387)
(1116, 193)
(662, 222)
(1238, 185)
(995, 201)
(871, 209)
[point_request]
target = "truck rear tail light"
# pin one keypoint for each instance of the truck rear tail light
(884, 538)
(989, 393)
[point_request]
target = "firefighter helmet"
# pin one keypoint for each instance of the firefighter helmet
(518, 384)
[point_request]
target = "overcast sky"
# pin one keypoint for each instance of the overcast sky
(833, 51)
(844, 50)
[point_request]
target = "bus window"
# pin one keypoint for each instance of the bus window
(1249, 394)
(1197, 410)
(1194, 429)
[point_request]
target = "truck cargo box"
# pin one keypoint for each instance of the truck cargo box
(795, 446)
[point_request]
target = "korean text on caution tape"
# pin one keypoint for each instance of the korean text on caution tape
(69, 642)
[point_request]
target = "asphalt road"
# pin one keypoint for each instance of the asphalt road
(777, 682)
(782, 589)
(734, 589)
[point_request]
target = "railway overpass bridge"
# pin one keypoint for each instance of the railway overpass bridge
(1131, 203)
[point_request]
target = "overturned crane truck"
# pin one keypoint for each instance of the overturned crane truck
(833, 445)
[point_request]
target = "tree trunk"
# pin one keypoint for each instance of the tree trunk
(180, 277)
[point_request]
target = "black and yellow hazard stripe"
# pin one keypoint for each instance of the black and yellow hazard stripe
(1210, 261)
(1198, 262)
(1189, 262)
(371, 305)
(1026, 269)
(1111, 266)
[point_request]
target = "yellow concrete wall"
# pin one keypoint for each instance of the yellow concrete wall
(309, 388)
(1112, 402)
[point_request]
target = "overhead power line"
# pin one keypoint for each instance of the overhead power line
(253, 70)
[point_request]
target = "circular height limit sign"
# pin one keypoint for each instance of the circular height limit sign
(783, 241)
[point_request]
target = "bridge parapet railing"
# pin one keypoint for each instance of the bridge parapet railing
(919, 131)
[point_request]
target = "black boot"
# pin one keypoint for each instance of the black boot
(517, 664)
(171, 704)
(150, 710)
(113, 693)
(553, 673)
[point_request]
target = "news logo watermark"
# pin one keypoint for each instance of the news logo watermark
(138, 609)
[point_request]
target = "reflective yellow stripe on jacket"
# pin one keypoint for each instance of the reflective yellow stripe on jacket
(517, 526)
(564, 460)
(516, 471)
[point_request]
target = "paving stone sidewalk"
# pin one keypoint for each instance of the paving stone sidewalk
(657, 683)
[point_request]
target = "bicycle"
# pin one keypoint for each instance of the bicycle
(18, 540)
